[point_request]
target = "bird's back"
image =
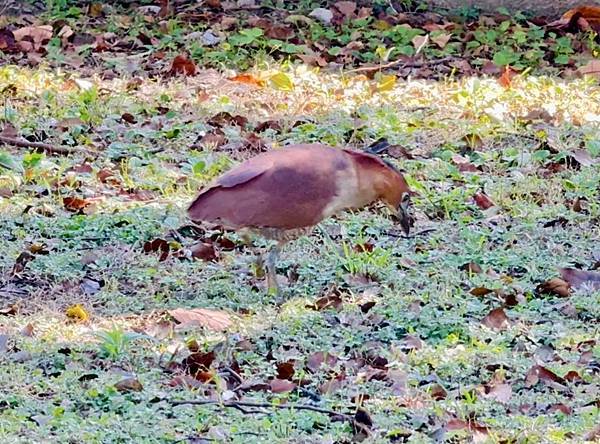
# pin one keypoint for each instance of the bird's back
(283, 189)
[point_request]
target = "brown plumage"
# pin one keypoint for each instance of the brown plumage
(284, 193)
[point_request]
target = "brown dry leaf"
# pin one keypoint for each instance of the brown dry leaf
(205, 251)
(471, 267)
(248, 79)
(555, 286)
(32, 38)
(538, 373)
(329, 301)
(499, 392)
(74, 203)
(441, 40)
(582, 157)
(483, 201)
(198, 362)
(182, 65)
(281, 386)
(212, 319)
(592, 68)
(481, 291)
(496, 319)
(158, 245)
(129, 385)
(320, 359)
(463, 164)
(459, 424)
(185, 381)
(285, 370)
(507, 76)
(7, 41)
(419, 42)
(585, 18)
(437, 392)
(346, 8)
(579, 278)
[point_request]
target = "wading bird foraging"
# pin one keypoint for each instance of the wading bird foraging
(283, 194)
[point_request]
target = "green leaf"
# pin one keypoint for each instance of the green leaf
(282, 82)
(505, 57)
(7, 161)
(199, 167)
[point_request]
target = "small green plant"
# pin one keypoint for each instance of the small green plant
(116, 342)
(364, 260)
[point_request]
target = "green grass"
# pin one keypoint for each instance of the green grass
(58, 384)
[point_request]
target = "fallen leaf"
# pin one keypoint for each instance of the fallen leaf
(212, 319)
(441, 40)
(505, 80)
(538, 373)
(459, 424)
(281, 386)
(579, 278)
(7, 41)
(499, 392)
(592, 68)
(346, 8)
(582, 157)
(285, 370)
(205, 251)
(158, 245)
(560, 407)
(386, 82)
(316, 361)
(282, 82)
(481, 291)
(419, 42)
(32, 38)
(129, 385)
(182, 65)
(74, 203)
(248, 79)
(496, 319)
(329, 301)
(77, 313)
(483, 201)
(556, 286)
(199, 362)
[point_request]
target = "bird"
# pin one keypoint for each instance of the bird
(283, 193)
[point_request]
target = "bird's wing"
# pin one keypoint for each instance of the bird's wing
(239, 176)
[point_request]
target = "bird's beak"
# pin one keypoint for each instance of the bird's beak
(405, 220)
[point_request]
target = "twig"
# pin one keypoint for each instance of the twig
(241, 404)
(404, 64)
(43, 146)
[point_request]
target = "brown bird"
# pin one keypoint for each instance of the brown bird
(284, 193)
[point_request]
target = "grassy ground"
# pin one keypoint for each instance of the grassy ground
(403, 333)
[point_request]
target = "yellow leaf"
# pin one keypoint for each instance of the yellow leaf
(381, 25)
(77, 313)
(282, 82)
(386, 82)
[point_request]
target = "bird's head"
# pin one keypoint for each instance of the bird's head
(397, 196)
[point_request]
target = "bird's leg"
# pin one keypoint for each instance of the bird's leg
(271, 263)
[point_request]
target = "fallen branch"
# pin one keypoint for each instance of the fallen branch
(404, 64)
(239, 405)
(43, 146)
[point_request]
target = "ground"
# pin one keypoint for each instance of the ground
(471, 329)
